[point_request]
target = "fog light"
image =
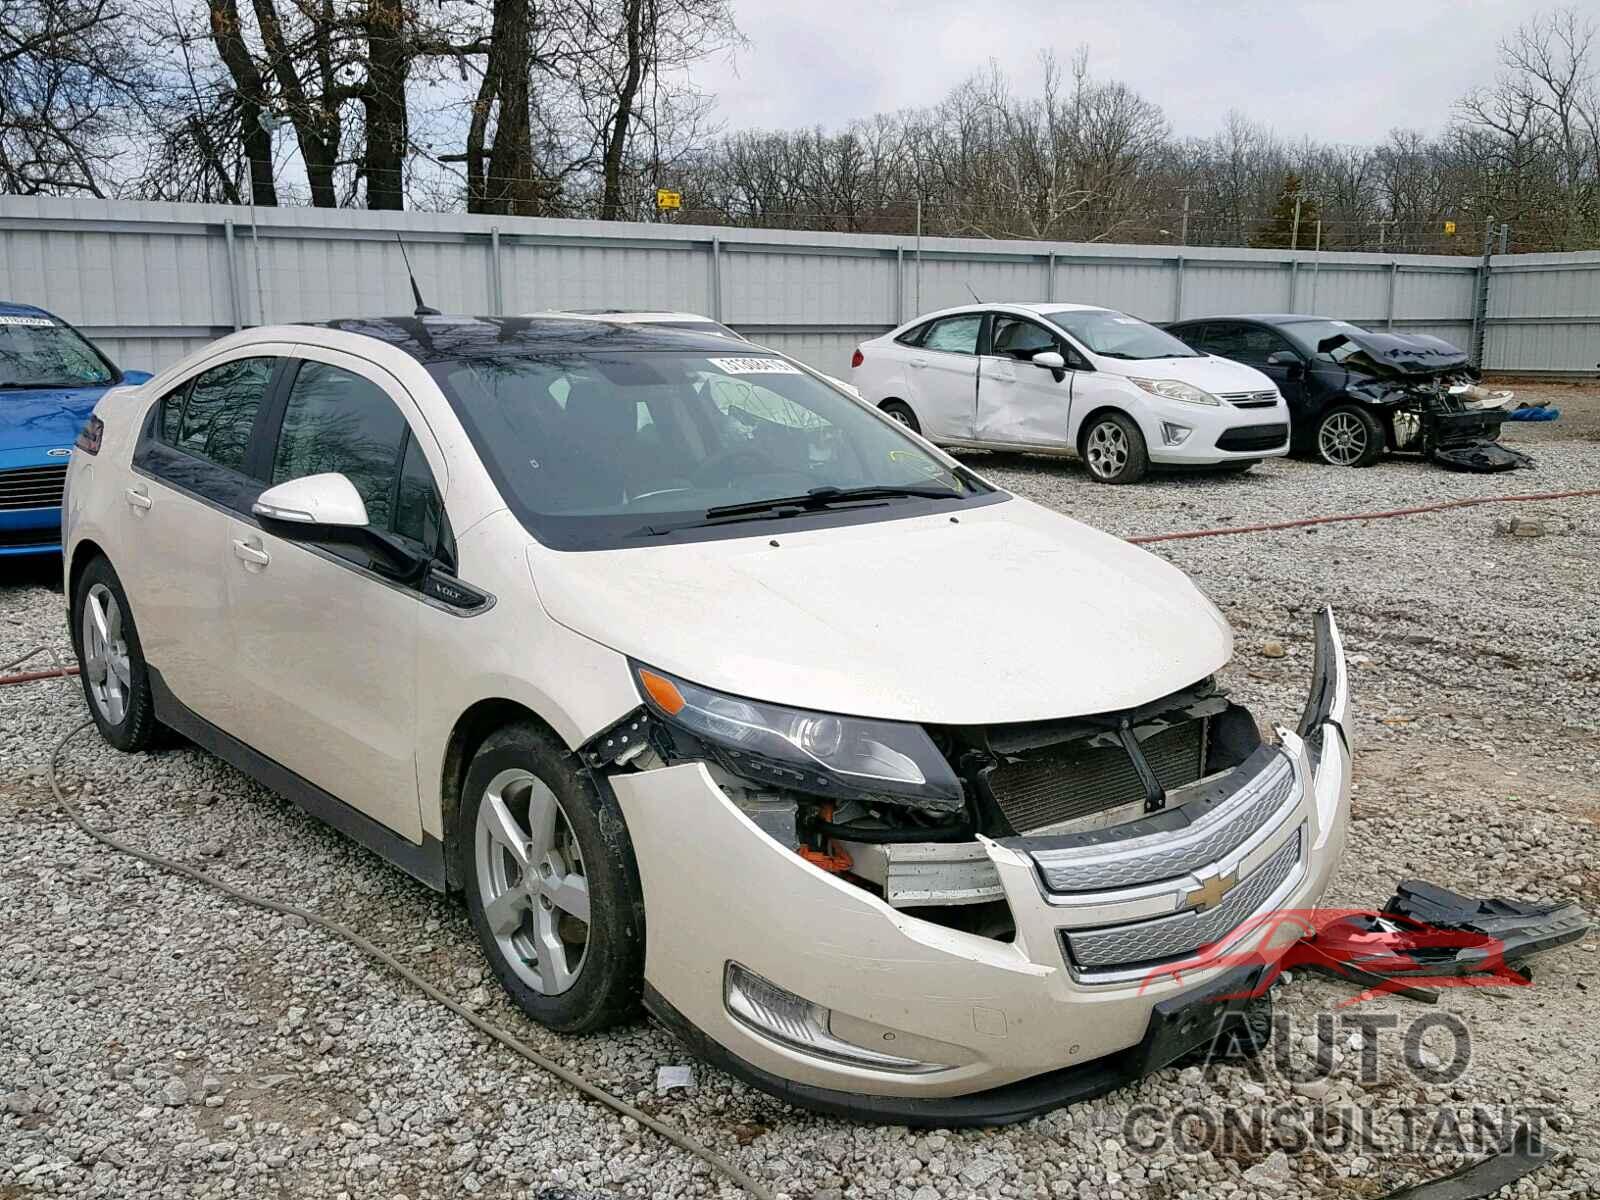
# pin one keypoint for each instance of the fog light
(801, 1025)
(1174, 435)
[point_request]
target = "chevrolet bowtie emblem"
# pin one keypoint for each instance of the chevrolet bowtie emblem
(1209, 894)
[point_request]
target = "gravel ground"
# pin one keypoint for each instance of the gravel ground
(159, 1040)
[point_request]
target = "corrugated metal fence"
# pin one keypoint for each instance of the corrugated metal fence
(154, 281)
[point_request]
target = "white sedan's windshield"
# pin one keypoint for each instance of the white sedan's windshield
(1112, 334)
(663, 437)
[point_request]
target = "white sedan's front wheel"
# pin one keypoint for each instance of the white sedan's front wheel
(552, 888)
(1114, 449)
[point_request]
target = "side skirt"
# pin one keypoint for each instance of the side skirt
(425, 863)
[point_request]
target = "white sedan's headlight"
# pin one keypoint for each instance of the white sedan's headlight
(821, 754)
(1175, 389)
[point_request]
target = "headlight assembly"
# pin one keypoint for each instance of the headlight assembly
(1175, 389)
(840, 758)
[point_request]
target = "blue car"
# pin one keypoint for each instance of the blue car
(50, 377)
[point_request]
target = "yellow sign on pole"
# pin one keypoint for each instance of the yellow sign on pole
(668, 199)
(1449, 229)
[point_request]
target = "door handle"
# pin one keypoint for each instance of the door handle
(919, 362)
(136, 498)
(254, 555)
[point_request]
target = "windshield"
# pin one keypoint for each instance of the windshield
(41, 352)
(1310, 334)
(1111, 334)
(597, 450)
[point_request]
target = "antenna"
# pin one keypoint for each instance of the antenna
(422, 310)
(975, 295)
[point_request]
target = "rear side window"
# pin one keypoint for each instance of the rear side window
(218, 411)
(914, 335)
(954, 335)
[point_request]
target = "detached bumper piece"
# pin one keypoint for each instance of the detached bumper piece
(1520, 929)
(1428, 935)
(1526, 1153)
(1480, 457)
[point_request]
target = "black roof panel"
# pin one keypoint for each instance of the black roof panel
(438, 339)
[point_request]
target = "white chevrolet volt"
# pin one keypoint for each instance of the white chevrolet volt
(1072, 378)
(709, 688)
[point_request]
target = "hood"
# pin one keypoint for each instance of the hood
(1208, 372)
(1015, 613)
(44, 418)
(1391, 355)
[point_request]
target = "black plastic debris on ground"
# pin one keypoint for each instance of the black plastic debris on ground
(1428, 937)
(1483, 457)
(1520, 927)
(1526, 1153)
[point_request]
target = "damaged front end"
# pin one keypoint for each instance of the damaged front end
(1430, 396)
(956, 925)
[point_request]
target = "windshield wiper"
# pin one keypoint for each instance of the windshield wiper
(824, 497)
(19, 385)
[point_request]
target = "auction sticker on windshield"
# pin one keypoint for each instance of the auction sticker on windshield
(44, 321)
(754, 366)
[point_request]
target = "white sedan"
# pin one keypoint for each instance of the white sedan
(712, 690)
(1064, 378)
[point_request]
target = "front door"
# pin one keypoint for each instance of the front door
(943, 371)
(325, 641)
(1019, 403)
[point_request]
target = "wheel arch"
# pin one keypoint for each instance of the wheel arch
(84, 553)
(471, 729)
(1087, 422)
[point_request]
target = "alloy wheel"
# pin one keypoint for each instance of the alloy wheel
(105, 654)
(531, 881)
(1107, 449)
(1342, 439)
(900, 415)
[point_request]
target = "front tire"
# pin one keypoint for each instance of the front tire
(111, 666)
(1349, 436)
(901, 411)
(551, 885)
(1114, 450)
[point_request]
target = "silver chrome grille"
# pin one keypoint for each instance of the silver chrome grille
(1264, 399)
(32, 487)
(1167, 854)
(1141, 943)
(1074, 779)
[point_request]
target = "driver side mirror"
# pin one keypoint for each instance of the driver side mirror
(1049, 360)
(315, 504)
(326, 509)
(1287, 359)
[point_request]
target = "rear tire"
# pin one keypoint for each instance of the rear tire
(551, 885)
(111, 666)
(1349, 436)
(1114, 450)
(901, 411)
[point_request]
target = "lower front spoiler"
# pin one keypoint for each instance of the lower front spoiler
(1178, 1026)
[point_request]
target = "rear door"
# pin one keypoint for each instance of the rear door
(325, 637)
(1019, 403)
(191, 472)
(943, 372)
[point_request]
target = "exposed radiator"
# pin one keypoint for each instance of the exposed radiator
(1074, 779)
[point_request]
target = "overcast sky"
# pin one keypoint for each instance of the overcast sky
(1340, 72)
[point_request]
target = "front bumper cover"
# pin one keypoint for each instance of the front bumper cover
(1017, 1027)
